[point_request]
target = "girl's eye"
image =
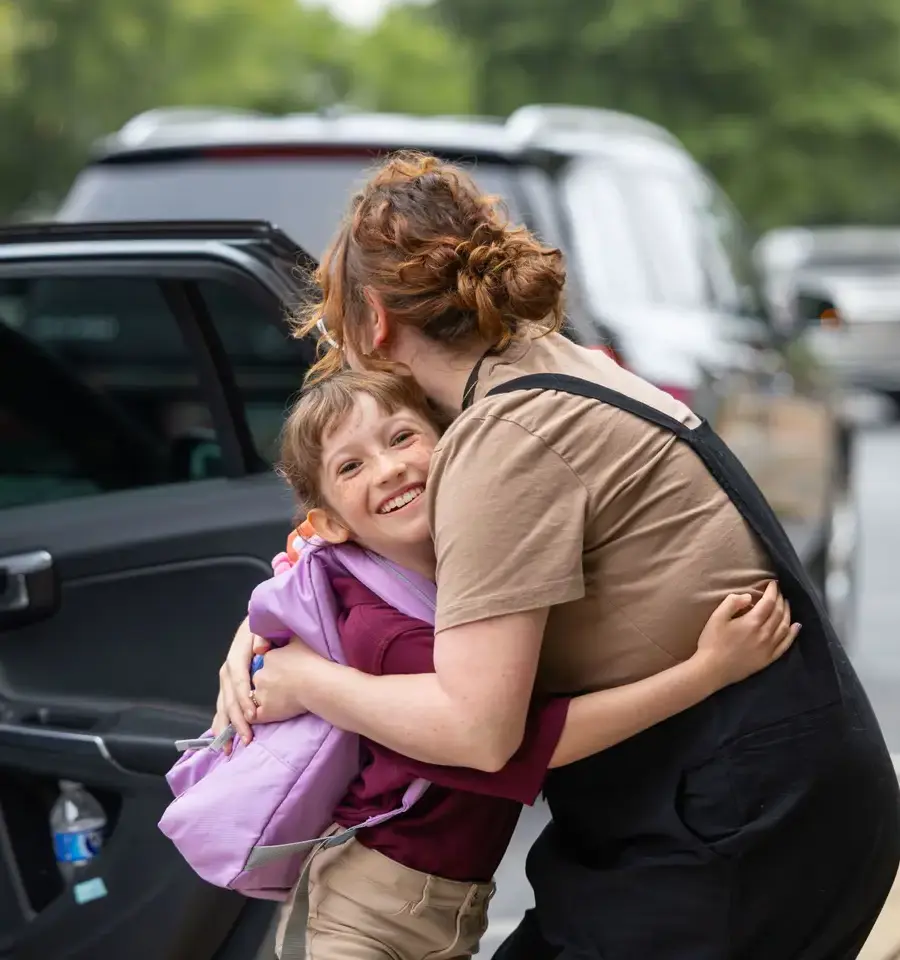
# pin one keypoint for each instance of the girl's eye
(402, 436)
(348, 467)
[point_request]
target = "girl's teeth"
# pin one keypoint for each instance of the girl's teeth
(401, 501)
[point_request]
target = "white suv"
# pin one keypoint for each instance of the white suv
(661, 268)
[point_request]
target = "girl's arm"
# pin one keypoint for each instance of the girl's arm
(734, 644)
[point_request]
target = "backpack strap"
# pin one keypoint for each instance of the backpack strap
(262, 855)
(293, 938)
(290, 941)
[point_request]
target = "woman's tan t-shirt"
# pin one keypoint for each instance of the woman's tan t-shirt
(543, 499)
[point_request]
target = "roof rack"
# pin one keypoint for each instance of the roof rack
(529, 123)
(138, 128)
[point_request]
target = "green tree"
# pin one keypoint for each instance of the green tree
(74, 70)
(794, 106)
(409, 63)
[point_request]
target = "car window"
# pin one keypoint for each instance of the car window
(671, 231)
(304, 196)
(538, 187)
(98, 391)
(730, 254)
(268, 363)
(604, 241)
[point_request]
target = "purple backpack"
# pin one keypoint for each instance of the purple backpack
(249, 821)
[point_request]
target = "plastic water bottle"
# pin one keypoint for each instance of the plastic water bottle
(77, 822)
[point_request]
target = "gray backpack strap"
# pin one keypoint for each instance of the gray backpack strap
(213, 743)
(291, 944)
(293, 940)
(260, 855)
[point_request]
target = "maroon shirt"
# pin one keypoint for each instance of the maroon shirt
(462, 825)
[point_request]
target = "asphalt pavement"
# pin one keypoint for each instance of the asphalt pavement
(875, 651)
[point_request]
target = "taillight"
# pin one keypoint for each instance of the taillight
(830, 318)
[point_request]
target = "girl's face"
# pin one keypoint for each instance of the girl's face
(373, 475)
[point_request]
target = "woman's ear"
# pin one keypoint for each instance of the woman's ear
(380, 327)
(326, 526)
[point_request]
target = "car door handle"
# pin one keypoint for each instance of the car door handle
(28, 588)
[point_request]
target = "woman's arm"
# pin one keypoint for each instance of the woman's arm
(733, 646)
(471, 712)
(497, 581)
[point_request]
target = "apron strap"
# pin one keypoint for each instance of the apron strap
(732, 476)
(593, 391)
(724, 466)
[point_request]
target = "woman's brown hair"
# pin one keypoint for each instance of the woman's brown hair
(439, 255)
(323, 406)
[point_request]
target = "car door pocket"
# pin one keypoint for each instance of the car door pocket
(51, 717)
(26, 801)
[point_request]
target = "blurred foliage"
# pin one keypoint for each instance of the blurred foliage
(795, 107)
(74, 70)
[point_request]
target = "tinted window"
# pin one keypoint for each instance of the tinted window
(98, 391)
(604, 242)
(735, 279)
(306, 197)
(268, 363)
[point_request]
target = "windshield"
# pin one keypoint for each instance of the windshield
(305, 197)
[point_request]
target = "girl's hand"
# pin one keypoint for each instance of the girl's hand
(234, 704)
(741, 639)
(279, 680)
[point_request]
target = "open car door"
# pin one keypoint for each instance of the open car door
(144, 374)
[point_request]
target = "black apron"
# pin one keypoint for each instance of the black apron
(762, 824)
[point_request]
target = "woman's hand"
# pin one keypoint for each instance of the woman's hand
(234, 704)
(740, 639)
(278, 683)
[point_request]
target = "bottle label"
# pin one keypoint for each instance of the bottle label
(78, 846)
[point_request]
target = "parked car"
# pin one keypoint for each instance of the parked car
(620, 194)
(144, 372)
(843, 285)
(662, 274)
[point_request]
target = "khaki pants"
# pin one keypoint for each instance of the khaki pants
(364, 906)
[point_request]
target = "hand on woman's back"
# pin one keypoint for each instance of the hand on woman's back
(741, 639)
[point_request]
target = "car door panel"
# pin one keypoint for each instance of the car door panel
(114, 653)
(150, 596)
(128, 584)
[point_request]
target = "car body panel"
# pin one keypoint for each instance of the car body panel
(148, 585)
(856, 270)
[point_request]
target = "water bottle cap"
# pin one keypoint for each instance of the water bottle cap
(69, 785)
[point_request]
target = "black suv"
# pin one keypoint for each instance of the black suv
(144, 374)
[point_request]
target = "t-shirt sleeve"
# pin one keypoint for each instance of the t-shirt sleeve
(508, 516)
(378, 639)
